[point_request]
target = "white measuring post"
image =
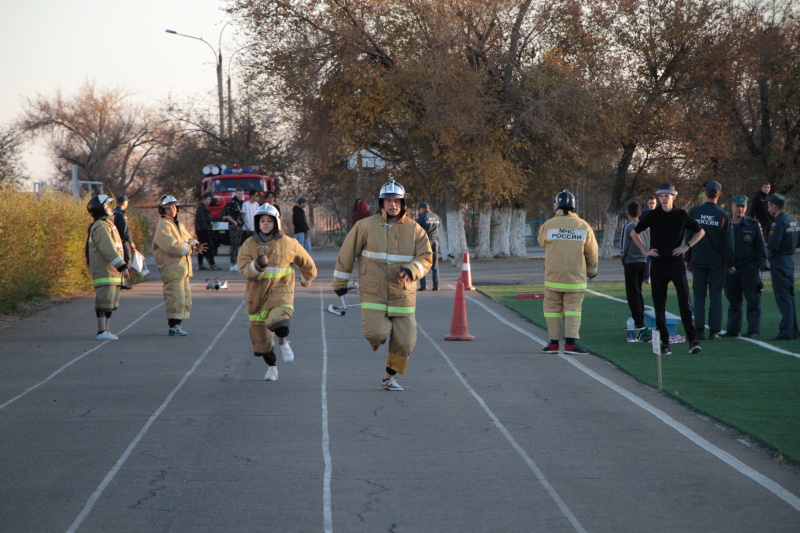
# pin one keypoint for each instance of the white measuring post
(656, 339)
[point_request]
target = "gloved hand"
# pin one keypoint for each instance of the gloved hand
(591, 276)
(261, 262)
(304, 282)
(341, 292)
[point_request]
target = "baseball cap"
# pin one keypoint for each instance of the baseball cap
(777, 199)
(301, 200)
(667, 188)
(713, 186)
(122, 198)
(422, 205)
(740, 199)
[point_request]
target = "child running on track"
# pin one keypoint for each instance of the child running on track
(265, 261)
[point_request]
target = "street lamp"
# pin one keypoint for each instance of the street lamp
(218, 59)
(230, 98)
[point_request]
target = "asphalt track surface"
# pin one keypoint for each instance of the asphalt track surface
(153, 433)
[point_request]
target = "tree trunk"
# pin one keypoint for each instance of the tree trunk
(609, 244)
(501, 241)
(484, 250)
(456, 238)
(518, 248)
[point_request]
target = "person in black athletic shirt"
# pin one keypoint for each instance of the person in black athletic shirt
(667, 226)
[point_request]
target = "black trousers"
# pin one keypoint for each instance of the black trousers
(661, 274)
(207, 237)
(634, 277)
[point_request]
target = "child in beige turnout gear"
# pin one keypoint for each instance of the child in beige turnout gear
(265, 261)
(393, 252)
(173, 247)
(104, 254)
(570, 258)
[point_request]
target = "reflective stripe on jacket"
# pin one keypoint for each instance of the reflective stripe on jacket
(570, 252)
(105, 253)
(383, 249)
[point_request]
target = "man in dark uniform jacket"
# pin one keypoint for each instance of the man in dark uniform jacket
(782, 244)
(748, 242)
(709, 260)
(121, 222)
(430, 223)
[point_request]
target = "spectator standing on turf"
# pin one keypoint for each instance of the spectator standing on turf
(750, 254)
(710, 260)
(782, 244)
(634, 265)
(652, 202)
(667, 227)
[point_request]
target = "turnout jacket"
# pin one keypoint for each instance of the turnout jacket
(172, 248)
(273, 286)
(383, 249)
(105, 253)
(570, 252)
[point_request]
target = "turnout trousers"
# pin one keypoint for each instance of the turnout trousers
(401, 331)
(261, 326)
(177, 298)
(563, 305)
(661, 274)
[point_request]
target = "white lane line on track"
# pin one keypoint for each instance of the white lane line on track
(124, 457)
(84, 354)
(754, 341)
(722, 455)
(327, 508)
(499, 425)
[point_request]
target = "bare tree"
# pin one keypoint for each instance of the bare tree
(12, 169)
(109, 139)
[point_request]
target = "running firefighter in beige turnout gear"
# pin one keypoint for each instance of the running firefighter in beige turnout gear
(269, 294)
(393, 252)
(570, 258)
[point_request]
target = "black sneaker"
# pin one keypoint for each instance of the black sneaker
(550, 348)
(752, 335)
(574, 349)
(694, 347)
(729, 334)
(714, 335)
(665, 349)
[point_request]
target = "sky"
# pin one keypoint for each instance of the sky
(50, 45)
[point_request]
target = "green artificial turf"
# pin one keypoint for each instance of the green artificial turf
(745, 386)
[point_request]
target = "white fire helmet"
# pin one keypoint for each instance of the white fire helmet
(270, 210)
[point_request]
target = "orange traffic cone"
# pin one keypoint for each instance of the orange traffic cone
(466, 276)
(459, 330)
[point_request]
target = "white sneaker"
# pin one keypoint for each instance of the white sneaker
(234, 268)
(107, 336)
(272, 374)
(390, 384)
(177, 330)
(286, 352)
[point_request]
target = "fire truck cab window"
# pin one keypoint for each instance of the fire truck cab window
(224, 185)
(251, 184)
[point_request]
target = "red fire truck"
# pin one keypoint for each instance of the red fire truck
(222, 182)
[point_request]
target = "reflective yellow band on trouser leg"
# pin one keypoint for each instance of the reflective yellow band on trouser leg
(552, 307)
(573, 302)
(261, 337)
